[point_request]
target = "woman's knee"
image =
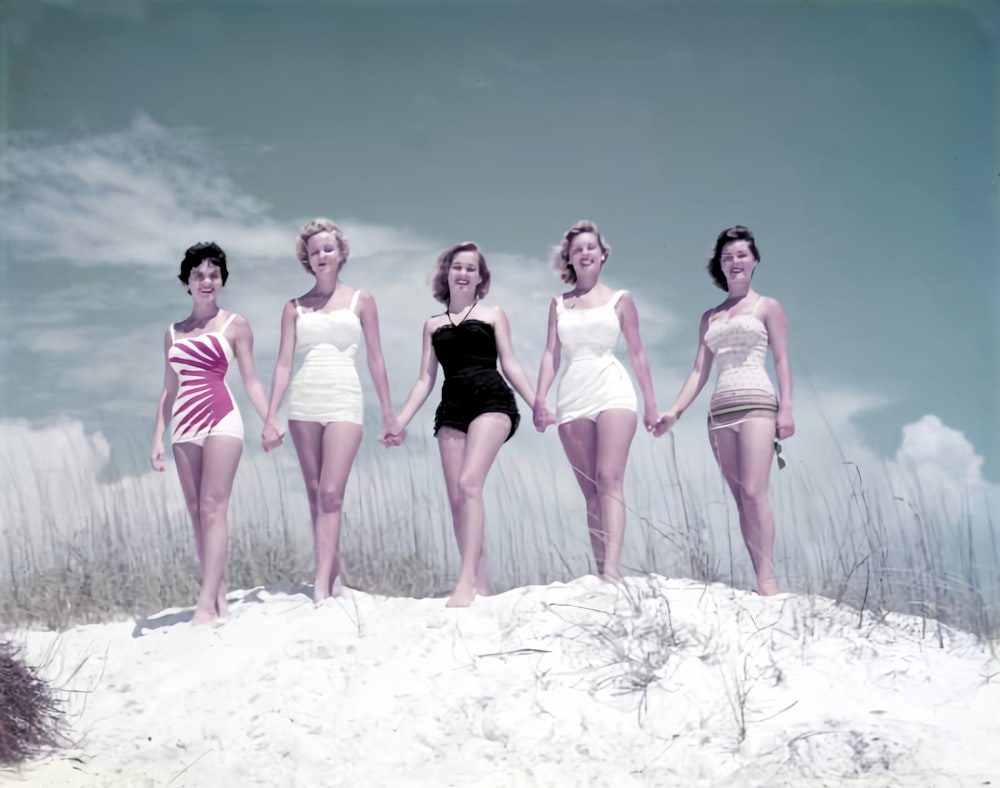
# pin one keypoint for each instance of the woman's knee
(469, 488)
(610, 480)
(754, 496)
(211, 506)
(330, 499)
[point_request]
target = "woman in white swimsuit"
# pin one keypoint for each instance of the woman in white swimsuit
(745, 415)
(322, 330)
(206, 427)
(596, 404)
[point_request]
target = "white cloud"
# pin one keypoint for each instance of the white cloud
(931, 447)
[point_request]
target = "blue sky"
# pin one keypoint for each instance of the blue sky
(860, 141)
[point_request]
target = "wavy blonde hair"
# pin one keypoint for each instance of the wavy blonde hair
(315, 227)
(439, 276)
(561, 259)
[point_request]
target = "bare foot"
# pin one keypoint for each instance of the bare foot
(611, 576)
(767, 586)
(221, 605)
(463, 596)
(482, 588)
(203, 616)
(338, 586)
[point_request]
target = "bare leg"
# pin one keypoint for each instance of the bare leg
(307, 436)
(451, 443)
(744, 458)
(341, 440)
(615, 430)
(756, 444)
(220, 458)
(579, 440)
(486, 435)
(187, 457)
(326, 455)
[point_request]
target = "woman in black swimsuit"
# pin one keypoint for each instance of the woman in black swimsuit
(477, 414)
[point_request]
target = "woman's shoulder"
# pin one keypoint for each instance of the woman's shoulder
(235, 321)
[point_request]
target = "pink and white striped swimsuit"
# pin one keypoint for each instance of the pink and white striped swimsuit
(204, 405)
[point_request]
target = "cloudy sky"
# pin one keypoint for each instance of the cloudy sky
(860, 141)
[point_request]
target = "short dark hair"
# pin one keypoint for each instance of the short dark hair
(199, 253)
(727, 236)
(439, 278)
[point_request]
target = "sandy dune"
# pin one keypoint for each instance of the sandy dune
(661, 683)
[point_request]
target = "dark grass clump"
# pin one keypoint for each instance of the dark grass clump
(30, 716)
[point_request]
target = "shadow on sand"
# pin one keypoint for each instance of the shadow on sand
(173, 616)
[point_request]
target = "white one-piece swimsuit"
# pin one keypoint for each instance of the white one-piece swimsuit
(326, 386)
(593, 380)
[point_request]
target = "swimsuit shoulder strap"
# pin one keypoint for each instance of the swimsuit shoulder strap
(226, 324)
(354, 299)
(616, 298)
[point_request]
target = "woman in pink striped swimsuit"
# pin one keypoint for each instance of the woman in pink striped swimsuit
(207, 431)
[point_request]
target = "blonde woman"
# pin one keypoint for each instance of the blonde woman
(596, 404)
(323, 328)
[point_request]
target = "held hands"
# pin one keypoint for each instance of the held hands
(785, 424)
(393, 433)
(156, 456)
(270, 438)
(651, 419)
(542, 417)
(666, 420)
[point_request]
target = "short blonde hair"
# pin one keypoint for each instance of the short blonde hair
(439, 277)
(315, 227)
(561, 260)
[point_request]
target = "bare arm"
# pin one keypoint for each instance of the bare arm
(694, 383)
(628, 318)
(547, 371)
(248, 370)
(282, 370)
(511, 367)
(777, 331)
(376, 361)
(425, 382)
(164, 407)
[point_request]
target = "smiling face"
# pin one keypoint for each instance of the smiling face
(464, 276)
(205, 281)
(585, 253)
(737, 261)
(324, 253)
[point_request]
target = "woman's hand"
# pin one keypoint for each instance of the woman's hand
(393, 432)
(270, 438)
(156, 456)
(542, 417)
(665, 422)
(785, 424)
(650, 419)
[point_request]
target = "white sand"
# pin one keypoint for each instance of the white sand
(540, 686)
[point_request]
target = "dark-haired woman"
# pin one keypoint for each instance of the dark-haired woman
(206, 428)
(745, 415)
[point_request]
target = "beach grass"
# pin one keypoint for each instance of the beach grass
(857, 540)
